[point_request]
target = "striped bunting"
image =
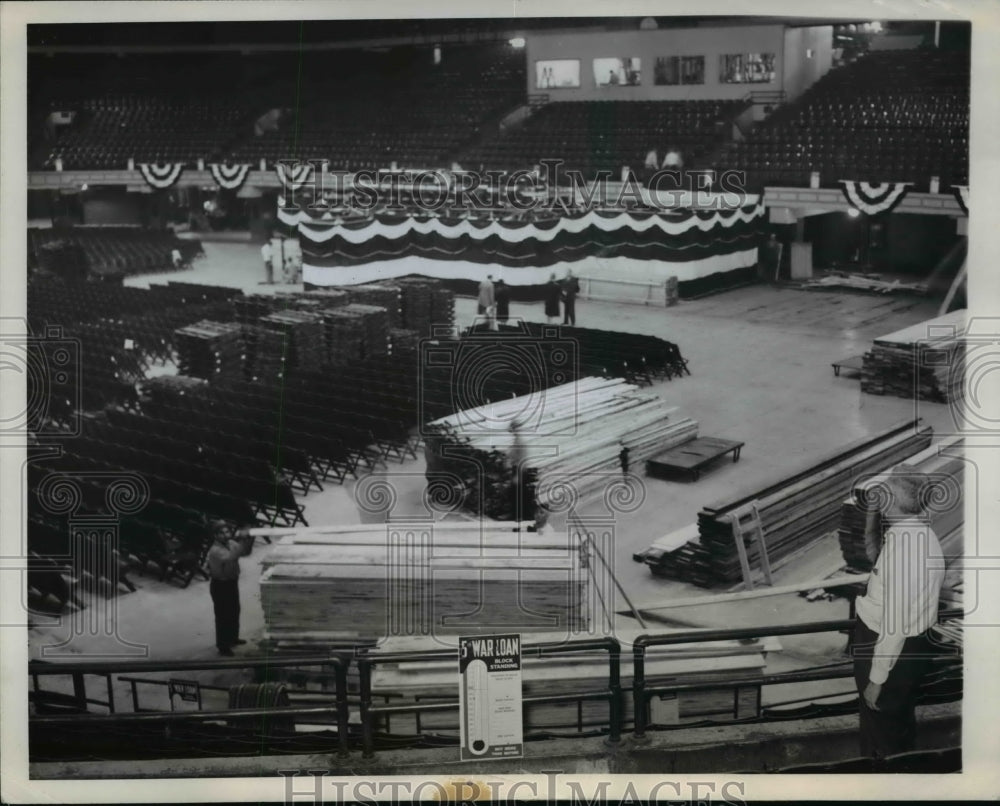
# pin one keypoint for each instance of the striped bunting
(228, 177)
(293, 177)
(161, 175)
(873, 199)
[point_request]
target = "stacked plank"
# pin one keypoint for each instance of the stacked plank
(347, 585)
(425, 304)
(304, 335)
(925, 361)
(569, 440)
(167, 387)
(795, 510)
(944, 467)
(211, 350)
(576, 673)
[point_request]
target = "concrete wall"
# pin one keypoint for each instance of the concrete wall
(648, 45)
(808, 55)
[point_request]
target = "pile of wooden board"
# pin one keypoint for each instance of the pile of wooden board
(864, 282)
(211, 350)
(925, 361)
(570, 437)
(944, 467)
(795, 509)
(569, 673)
(347, 585)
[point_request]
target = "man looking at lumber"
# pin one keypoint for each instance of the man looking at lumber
(891, 649)
(224, 570)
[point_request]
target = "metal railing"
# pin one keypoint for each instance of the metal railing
(642, 692)
(261, 667)
(381, 706)
(613, 694)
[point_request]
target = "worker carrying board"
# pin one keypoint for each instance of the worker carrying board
(490, 706)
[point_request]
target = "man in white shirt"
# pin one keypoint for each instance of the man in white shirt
(891, 650)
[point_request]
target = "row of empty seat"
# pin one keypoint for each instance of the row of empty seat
(604, 135)
(115, 250)
(900, 116)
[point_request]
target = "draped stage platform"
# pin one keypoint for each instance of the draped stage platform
(701, 248)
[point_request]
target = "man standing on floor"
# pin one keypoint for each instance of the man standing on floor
(266, 255)
(224, 570)
(553, 294)
(891, 648)
(486, 299)
(571, 287)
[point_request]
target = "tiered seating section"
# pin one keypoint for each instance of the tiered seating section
(357, 109)
(417, 118)
(116, 250)
(605, 135)
(895, 116)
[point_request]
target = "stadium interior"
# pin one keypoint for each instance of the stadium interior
(216, 335)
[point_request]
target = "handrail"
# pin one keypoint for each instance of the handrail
(613, 694)
(640, 695)
(339, 663)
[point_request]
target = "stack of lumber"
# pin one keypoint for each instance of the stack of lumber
(167, 387)
(250, 308)
(945, 469)
(795, 509)
(267, 354)
(425, 303)
(304, 335)
(569, 673)
(925, 361)
(864, 282)
(569, 435)
(211, 350)
(347, 585)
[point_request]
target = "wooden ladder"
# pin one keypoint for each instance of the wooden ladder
(746, 526)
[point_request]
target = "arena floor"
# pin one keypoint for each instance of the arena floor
(760, 360)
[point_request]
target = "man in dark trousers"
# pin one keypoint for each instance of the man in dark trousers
(891, 647)
(571, 287)
(623, 458)
(224, 571)
(553, 295)
(502, 297)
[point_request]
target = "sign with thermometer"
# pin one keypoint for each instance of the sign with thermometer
(489, 672)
